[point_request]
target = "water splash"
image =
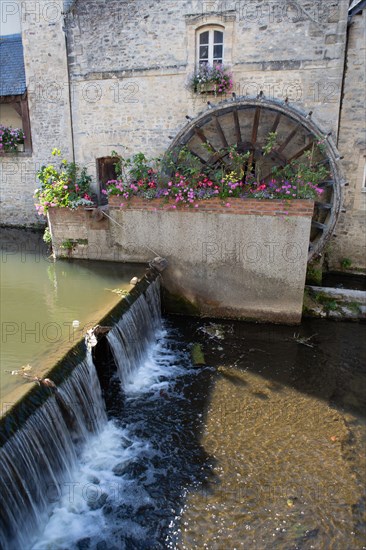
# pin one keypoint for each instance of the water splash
(38, 463)
(40, 456)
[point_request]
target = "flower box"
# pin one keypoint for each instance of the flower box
(206, 88)
(259, 207)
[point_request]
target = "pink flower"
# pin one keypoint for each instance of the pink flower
(228, 204)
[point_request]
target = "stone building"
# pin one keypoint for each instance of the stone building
(104, 75)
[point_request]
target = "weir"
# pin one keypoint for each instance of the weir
(43, 435)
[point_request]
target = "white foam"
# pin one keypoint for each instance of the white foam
(73, 518)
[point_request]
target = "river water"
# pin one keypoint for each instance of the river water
(41, 298)
(261, 447)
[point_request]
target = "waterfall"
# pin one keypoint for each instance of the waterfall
(38, 460)
(131, 335)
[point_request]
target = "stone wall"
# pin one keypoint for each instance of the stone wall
(130, 63)
(247, 260)
(49, 110)
(350, 242)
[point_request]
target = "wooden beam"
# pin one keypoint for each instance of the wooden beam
(221, 132)
(200, 134)
(17, 107)
(26, 125)
(276, 123)
(301, 152)
(13, 98)
(197, 155)
(318, 225)
(323, 205)
(257, 115)
(289, 138)
(237, 126)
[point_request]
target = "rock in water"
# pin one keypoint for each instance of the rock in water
(197, 355)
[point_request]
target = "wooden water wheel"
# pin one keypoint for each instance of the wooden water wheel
(247, 123)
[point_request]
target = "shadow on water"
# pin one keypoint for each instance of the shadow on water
(330, 367)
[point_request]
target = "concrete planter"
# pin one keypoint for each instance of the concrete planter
(243, 261)
(80, 227)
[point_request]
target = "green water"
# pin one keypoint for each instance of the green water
(41, 299)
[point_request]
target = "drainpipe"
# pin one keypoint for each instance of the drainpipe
(345, 64)
(64, 28)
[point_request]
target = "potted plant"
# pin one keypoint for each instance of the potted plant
(11, 139)
(215, 79)
(65, 187)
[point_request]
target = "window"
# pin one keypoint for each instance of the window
(14, 113)
(13, 91)
(211, 46)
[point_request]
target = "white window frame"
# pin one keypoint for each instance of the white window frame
(211, 30)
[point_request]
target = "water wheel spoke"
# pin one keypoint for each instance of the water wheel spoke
(288, 139)
(323, 205)
(301, 152)
(220, 132)
(196, 155)
(276, 123)
(256, 119)
(257, 115)
(237, 126)
(217, 156)
(326, 183)
(201, 135)
(318, 225)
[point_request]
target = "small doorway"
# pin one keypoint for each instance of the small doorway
(106, 171)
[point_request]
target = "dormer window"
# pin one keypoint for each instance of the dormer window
(210, 46)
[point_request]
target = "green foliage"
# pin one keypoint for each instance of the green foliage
(227, 173)
(67, 186)
(346, 263)
(355, 307)
(303, 171)
(68, 244)
(47, 236)
(328, 302)
(270, 143)
(314, 275)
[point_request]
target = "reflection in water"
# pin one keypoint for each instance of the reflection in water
(41, 298)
